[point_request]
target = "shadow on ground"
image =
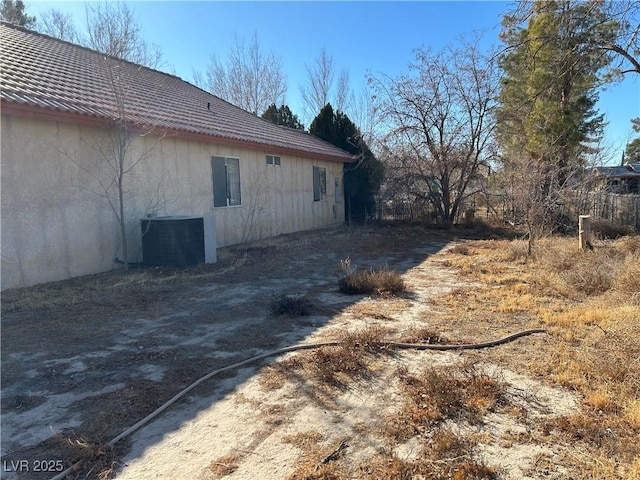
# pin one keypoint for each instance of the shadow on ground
(86, 358)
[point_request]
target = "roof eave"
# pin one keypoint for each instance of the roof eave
(27, 110)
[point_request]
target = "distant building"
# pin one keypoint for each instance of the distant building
(621, 179)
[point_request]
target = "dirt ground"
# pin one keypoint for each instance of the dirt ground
(84, 359)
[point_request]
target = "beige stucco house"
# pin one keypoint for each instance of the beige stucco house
(65, 109)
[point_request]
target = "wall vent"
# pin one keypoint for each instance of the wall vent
(177, 240)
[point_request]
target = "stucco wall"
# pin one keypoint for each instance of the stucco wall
(56, 218)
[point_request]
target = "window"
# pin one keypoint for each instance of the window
(226, 181)
(273, 160)
(319, 183)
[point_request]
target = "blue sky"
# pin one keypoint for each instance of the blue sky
(376, 37)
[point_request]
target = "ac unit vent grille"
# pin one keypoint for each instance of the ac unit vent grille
(174, 241)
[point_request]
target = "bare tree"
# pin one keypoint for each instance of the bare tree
(620, 18)
(249, 77)
(365, 110)
(343, 92)
(442, 115)
(198, 79)
(254, 217)
(111, 28)
(119, 152)
(626, 46)
(320, 75)
(402, 193)
(58, 24)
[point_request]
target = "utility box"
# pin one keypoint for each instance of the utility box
(178, 240)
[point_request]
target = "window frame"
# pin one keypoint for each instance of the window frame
(275, 160)
(319, 183)
(227, 193)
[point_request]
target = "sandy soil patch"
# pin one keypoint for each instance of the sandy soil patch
(99, 364)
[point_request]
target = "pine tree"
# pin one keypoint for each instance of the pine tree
(549, 92)
(363, 178)
(547, 116)
(632, 152)
(282, 116)
(13, 12)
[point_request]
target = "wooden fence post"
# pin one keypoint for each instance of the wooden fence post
(584, 231)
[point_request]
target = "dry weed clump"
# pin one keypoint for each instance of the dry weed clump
(460, 249)
(593, 273)
(386, 466)
(274, 376)
(562, 269)
(627, 278)
(438, 394)
(379, 309)
(289, 306)
(451, 456)
(516, 251)
(225, 465)
(335, 365)
(305, 441)
(318, 461)
(607, 230)
(628, 244)
(92, 457)
(382, 281)
(423, 335)
(445, 456)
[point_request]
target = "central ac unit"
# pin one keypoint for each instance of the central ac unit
(178, 240)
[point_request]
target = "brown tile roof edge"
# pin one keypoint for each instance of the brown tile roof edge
(44, 77)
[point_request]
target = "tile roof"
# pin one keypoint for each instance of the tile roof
(41, 71)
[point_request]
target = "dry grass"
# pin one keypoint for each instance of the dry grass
(445, 456)
(438, 394)
(331, 366)
(225, 465)
(319, 461)
(585, 299)
(274, 376)
(563, 270)
(379, 309)
(92, 458)
(460, 249)
(627, 278)
(305, 441)
(423, 335)
(588, 301)
(383, 281)
(336, 366)
(450, 456)
(516, 251)
(386, 465)
(607, 230)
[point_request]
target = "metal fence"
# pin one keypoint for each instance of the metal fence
(616, 209)
(621, 210)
